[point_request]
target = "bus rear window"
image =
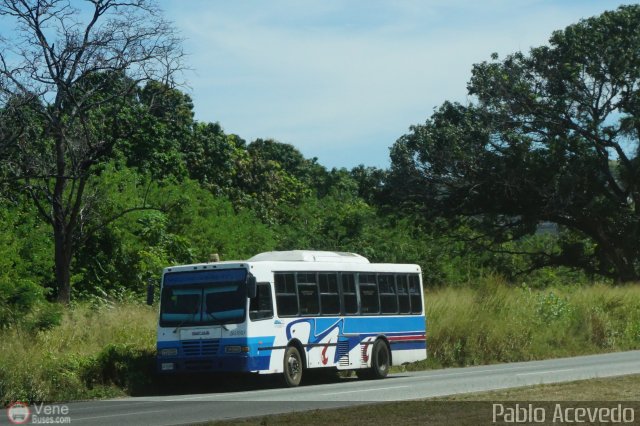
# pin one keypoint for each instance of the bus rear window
(402, 285)
(414, 293)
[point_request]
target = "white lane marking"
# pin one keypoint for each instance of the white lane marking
(193, 397)
(109, 403)
(466, 373)
(364, 390)
(117, 415)
(544, 372)
(223, 395)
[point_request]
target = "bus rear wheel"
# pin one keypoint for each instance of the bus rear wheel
(292, 367)
(380, 362)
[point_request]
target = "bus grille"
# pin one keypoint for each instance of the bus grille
(343, 353)
(200, 347)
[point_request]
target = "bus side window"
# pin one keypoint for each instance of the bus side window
(388, 298)
(414, 293)
(369, 302)
(403, 293)
(349, 296)
(308, 294)
(329, 297)
(286, 298)
(261, 306)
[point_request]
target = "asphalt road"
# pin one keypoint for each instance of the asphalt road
(228, 399)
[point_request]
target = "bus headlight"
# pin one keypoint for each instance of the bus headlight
(169, 352)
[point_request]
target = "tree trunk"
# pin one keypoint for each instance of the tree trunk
(613, 254)
(63, 252)
(625, 272)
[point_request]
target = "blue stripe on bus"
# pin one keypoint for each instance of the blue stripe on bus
(386, 325)
(353, 325)
(399, 346)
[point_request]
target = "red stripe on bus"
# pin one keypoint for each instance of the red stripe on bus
(399, 338)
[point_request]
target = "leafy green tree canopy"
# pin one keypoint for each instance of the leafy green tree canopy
(553, 137)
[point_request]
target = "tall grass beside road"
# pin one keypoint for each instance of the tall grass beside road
(96, 351)
(498, 323)
(106, 350)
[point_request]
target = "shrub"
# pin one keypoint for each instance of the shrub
(122, 365)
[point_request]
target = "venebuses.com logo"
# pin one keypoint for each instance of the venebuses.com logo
(18, 413)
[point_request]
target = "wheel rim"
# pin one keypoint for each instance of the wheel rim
(383, 359)
(293, 366)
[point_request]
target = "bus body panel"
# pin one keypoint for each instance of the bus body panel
(342, 342)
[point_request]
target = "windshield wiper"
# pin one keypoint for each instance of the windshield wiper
(215, 318)
(210, 315)
(190, 317)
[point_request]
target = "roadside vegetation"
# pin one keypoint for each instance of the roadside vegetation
(106, 349)
(497, 323)
(522, 208)
(97, 350)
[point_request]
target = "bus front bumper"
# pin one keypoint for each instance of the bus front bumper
(236, 363)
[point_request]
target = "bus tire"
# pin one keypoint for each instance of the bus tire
(380, 360)
(292, 367)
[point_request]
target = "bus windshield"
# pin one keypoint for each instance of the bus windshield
(203, 298)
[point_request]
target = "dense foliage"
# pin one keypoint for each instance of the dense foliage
(552, 139)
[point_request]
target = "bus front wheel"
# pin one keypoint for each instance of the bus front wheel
(292, 367)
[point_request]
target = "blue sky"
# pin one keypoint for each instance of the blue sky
(342, 80)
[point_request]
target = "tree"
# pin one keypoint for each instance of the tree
(212, 157)
(370, 182)
(164, 124)
(292, 162)
(74, 69)
(554, 136)
(122, 256)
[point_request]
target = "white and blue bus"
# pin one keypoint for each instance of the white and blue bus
(285, 312)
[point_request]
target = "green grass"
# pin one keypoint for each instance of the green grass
(109, 350)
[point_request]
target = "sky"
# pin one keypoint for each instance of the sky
(342, 80)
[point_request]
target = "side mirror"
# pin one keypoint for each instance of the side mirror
(252, 287)
(151, 288)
